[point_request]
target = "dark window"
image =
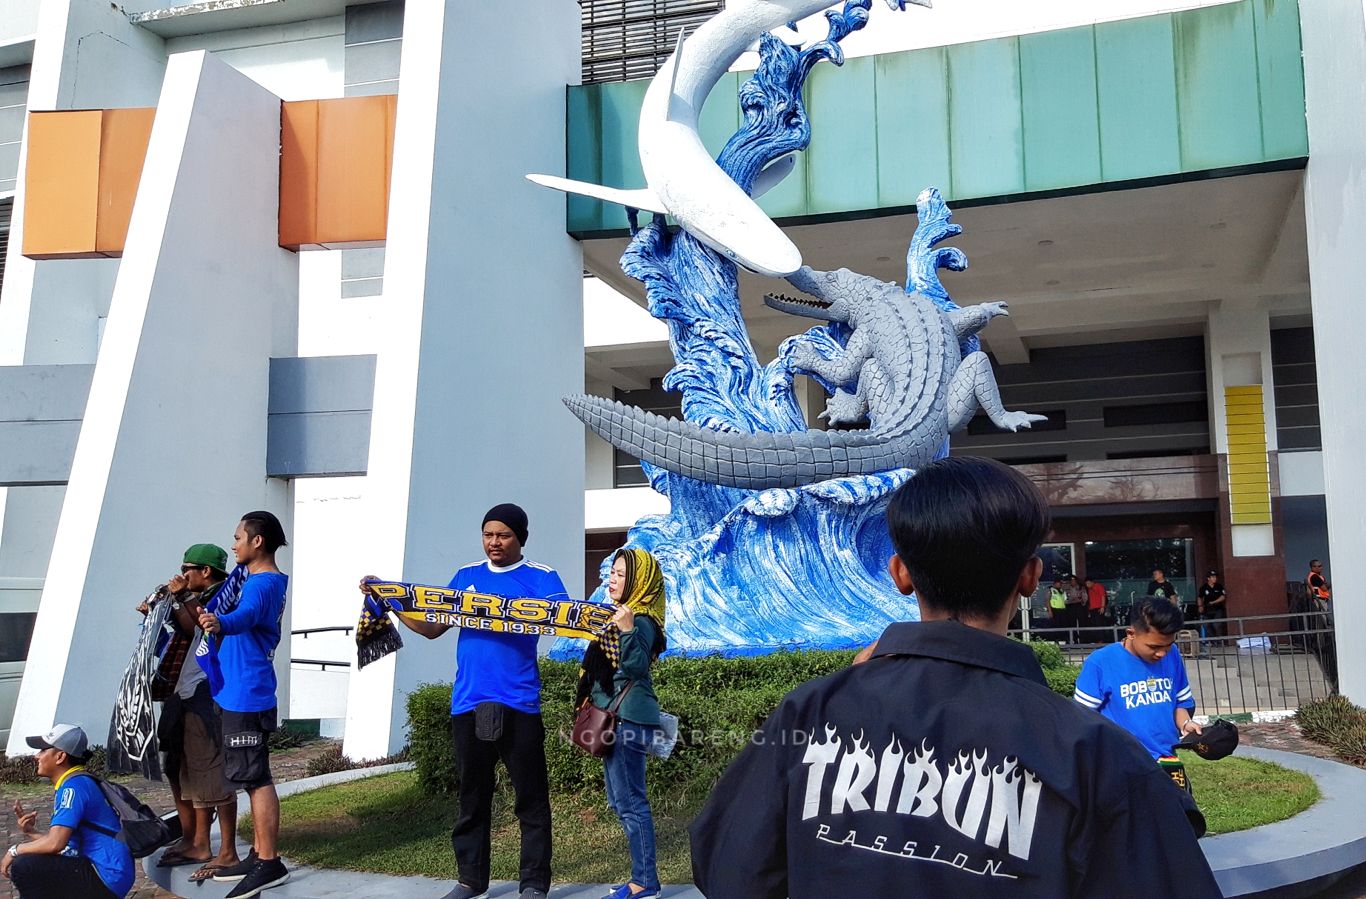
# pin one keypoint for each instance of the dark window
(626, 470)
(6, 209)
(624, 40)
(1296, 391)
(16, 629)
(1032, 460)
(1158, 453)
(1156, 413)
(1057, 421)
(1126, 566)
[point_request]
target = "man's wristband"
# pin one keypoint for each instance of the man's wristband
(14, 850)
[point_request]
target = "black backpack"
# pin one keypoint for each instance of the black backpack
(140, 829)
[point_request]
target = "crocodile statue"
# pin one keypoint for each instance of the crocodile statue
(902, 362)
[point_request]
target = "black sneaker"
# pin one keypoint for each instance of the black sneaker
(266, 873)
(461, 891)
(236, 871)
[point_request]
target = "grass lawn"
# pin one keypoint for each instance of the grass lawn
(1236, 794)
(387, 824)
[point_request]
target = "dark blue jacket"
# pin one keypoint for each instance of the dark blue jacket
(944, 766)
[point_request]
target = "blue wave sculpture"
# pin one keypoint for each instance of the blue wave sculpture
(750, 572)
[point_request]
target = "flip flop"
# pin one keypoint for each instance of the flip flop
(206, 872)
(176, 860)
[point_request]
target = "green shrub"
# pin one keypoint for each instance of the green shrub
(21, 769)
(98, 763)
(1060, 674)
(720, 702)
(1350, 743)
(1338, 724)
(1049, 654)
(1324, 720)
(329, 761)
(429, 737)
(1062, 681)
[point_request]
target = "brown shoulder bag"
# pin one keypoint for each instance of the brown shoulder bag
(595, 729)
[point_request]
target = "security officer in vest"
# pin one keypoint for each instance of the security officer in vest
(940, 764)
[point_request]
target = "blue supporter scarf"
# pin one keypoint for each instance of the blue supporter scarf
(221, 603)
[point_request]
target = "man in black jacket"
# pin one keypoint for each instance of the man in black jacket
(941, 764)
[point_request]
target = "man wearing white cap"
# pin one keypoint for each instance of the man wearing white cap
(80, 856)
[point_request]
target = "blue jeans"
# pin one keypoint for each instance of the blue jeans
(625, 776)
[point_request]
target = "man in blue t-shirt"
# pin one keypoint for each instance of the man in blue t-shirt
(1140, 683)
(247, 633)
(80, 856)
(496, 711)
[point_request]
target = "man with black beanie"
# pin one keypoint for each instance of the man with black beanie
(496, 711)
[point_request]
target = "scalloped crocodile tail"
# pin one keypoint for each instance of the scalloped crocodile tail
(748, 461)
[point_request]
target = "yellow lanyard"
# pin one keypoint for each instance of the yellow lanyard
(79, 769)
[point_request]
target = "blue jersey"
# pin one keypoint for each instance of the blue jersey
(77, 803)
(247, 651)
(493, 667)
(1141, 697)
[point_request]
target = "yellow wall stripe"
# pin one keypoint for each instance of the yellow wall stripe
(1249, 476)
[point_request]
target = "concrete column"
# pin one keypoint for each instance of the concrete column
(173, 442)
(483, 296)
(1238, 347)
(86, 56)
(1333, 33)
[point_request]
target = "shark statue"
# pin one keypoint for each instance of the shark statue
(682, 178)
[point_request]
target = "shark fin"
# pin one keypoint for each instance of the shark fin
(635, 199)
(677, 57)
(773, 174)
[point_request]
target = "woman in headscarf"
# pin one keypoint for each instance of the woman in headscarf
(616, 668)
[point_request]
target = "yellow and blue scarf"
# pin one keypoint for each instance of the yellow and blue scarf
(376, 636)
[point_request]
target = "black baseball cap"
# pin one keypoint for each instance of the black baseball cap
(1215, 741)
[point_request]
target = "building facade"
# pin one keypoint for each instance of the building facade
(1163, 192)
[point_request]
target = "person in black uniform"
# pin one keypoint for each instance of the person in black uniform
(941, 764)
(1213, 606)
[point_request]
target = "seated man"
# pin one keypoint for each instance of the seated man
(943, 765)
(80, 856)
(1140, 683)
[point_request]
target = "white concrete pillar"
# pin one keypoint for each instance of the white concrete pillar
(1238, 351)
(1333, 33)
(484, 324)
(173, 443)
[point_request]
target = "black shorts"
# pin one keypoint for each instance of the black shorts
(246, 757)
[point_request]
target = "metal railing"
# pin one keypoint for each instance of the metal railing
(1256, 663)
(344, 629)
(323, 664)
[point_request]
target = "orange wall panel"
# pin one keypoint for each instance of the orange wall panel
(299, 175)
(81, 179)
(125, 134)
(335, 163)
(61, 184)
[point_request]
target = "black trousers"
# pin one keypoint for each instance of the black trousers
(522, 750)
(57, 877)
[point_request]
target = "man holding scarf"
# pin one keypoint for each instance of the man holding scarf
(244, 621)
(189, 731)
(496, 711)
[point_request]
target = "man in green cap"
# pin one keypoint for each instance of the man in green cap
(189, 731)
